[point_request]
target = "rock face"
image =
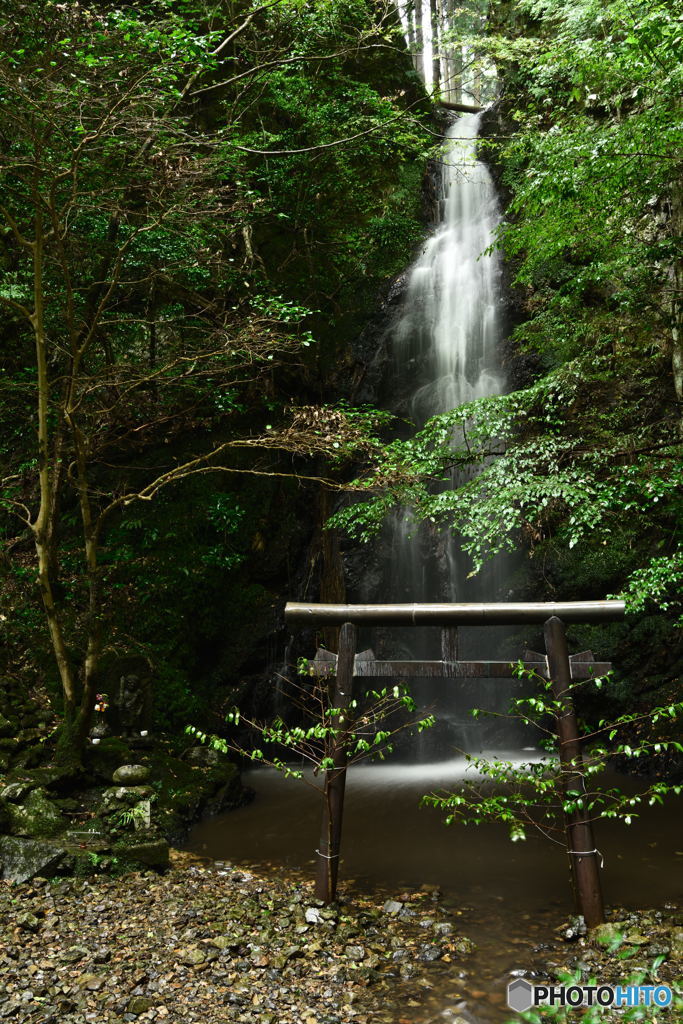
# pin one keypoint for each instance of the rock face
(21, 859)
(131, 775)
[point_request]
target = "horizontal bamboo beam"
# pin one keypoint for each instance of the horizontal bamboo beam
(475, 614)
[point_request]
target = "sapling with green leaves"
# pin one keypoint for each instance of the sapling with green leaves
(309, 748)
(533, 795)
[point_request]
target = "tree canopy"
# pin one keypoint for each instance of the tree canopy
(179, 186)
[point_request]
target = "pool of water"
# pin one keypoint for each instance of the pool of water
(510, 897)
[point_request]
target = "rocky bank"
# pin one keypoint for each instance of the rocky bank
(214, 943)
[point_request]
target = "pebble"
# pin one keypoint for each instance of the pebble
(203, 945)
(429, 953)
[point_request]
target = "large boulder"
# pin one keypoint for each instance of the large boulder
(21, 859)
(204, 757)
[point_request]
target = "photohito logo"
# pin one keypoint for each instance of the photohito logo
(522, 995)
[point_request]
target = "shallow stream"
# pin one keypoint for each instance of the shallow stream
(511, 898)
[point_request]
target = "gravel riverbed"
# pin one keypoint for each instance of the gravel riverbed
(214, 943)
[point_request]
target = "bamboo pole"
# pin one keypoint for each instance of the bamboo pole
(451, 614)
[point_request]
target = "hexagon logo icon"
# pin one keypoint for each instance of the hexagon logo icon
(520, 995)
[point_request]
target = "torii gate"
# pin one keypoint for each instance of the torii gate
(556, 665)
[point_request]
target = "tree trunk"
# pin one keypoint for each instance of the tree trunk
(412, 47)
(676, 228)
(76, 713)
(436, 42)
(419, 40)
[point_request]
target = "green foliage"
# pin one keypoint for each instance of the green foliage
(182, 282)
(588, 457)
(538, 474)
(539, 794)
(363, 730)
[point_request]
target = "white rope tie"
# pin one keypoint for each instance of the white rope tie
(588, 853)
(333, 856)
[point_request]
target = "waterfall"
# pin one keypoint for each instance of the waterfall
(446, 352)
(449, 332)
(446, 348)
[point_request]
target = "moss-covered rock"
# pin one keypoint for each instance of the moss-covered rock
(5, 817)
(151, 853)
(37, 815)
(131, 775)
(125, 796)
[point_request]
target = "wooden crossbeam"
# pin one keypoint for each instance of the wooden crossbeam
(366, 665)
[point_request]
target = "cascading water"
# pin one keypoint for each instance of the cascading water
(446, 348)
(446, 344)
(449, 331)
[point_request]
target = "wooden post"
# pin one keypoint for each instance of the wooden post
(583, 856)
(335, 778)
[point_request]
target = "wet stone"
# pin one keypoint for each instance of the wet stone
(429, 953)
(192, 957)
(73, 954)
(139, 1004)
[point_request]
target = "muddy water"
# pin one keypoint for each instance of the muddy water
(510, 897)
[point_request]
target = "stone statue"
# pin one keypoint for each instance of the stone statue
(123, 707)
(134, 704)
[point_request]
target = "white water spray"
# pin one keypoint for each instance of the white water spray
(450, 331)
(446, 345)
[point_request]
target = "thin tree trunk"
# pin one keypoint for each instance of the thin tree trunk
(434, 6)
(44, 527)
(419, 40)
(412, 47)
(676, 277)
